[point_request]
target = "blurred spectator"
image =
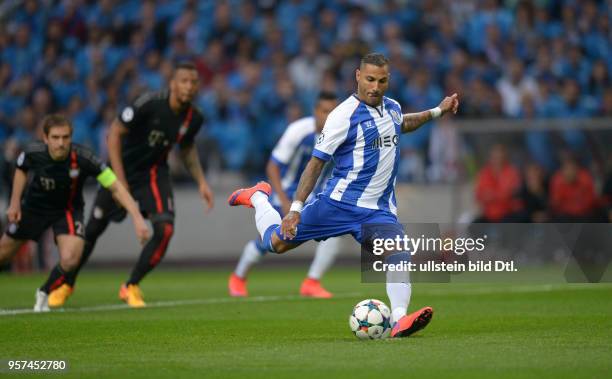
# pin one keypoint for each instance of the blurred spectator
(606, 192)
(513, 86)
(572, 193)
(497, 187)
(534, 195)
(444, 153)
(306, 69)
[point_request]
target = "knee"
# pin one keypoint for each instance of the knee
(8, 248)
(70, 260)
(163, 231)
(94, 228)
(280, 246)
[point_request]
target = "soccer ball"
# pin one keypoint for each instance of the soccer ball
(371, 319)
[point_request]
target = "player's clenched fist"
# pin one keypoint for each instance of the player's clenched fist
(142, 231)
(13, 213)
(450, 104)
(289, 225)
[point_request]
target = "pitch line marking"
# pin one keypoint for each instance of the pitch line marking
(174, 303)
(345, 295)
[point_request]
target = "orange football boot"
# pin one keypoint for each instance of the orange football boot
(412, 323)
(313, 288)
(237, 286)
(242, 196)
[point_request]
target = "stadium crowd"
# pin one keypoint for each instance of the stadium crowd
(262, 64)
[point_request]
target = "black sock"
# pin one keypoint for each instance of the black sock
(56, 278)
(153, 251)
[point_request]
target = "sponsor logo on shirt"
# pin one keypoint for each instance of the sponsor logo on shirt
(47, 183)
(385, 141)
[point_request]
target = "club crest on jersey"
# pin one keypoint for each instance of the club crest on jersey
(395, 116)
(74, 173)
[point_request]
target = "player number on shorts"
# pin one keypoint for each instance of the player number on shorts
(79, 228)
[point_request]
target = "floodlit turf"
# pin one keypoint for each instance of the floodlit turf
(194, 330)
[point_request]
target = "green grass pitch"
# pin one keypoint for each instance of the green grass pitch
(192, 329)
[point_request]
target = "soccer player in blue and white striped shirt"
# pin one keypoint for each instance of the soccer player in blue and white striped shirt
(362, 136)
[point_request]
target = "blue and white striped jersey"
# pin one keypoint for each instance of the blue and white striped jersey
(292, 152)
(364, 144)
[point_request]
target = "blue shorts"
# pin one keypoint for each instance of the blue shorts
(323, 218)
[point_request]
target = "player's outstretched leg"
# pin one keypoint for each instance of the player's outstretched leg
(325, 256)
(252, 253)
(399, 290)
(58, 295)
(243, 196)
(266, 217)
(150, 256)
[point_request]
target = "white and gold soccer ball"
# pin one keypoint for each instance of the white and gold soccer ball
(371, 319)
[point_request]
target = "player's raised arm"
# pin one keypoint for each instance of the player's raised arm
(412, 121)
(13, 212)
(115, 135)
(189, 156)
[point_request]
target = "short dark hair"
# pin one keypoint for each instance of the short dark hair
(54, 120)
(375, 59)
(326, 95)
(185, 65)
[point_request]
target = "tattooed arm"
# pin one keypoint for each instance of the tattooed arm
(309, 178)
(307, 182)
(412, 121)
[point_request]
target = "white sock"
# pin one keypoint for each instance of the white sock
(324, 257)
(399, 296)
(250, 256)
(265, 214)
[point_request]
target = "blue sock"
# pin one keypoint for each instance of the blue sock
(267, 237)
(263, 250)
